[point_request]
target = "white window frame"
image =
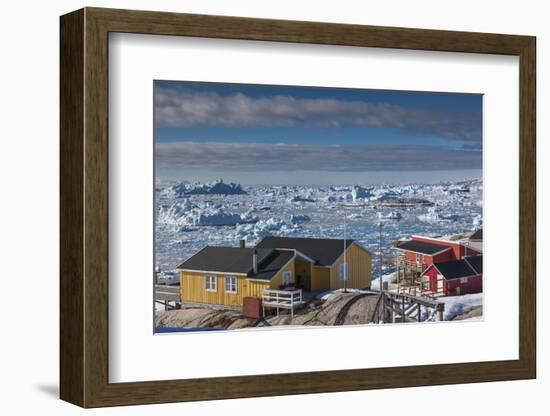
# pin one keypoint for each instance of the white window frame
(464, 280)
(343, 271)
(208, 280)
(440, 281)
(232, 280)
(285, 280)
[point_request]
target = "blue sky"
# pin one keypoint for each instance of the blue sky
(330, 135)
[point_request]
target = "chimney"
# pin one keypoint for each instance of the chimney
(255, 261)
(242, 243)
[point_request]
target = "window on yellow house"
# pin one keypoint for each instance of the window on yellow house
(210, 282)
(231, 284)
(343, 271)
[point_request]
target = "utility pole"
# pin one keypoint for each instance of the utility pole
(380, 225)
(382, 310)
(345, 262)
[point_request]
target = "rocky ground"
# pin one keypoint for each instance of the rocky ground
(469, 313)
(320, 312)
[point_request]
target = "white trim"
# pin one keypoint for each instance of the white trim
(251, 279)
(296, 252)
(418, 252)
(211, 272)
(299, 253)
(435, 239)
(428, 268)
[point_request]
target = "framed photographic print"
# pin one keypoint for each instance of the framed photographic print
(291, 207)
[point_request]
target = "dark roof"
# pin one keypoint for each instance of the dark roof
(324, 251)
(478, 235)
(476, 262)
(238, 260)
(455, 269)
(421, 247)
(269, 267)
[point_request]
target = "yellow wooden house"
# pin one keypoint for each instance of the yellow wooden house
(226, 275)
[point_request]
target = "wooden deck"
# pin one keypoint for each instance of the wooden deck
(400, 307)
(282, 299)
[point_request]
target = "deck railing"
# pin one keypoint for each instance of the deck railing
(283, 299)
(411, 265)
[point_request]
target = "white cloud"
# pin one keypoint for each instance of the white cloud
(187, 108)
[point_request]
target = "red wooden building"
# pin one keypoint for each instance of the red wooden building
(455, 277)
(424, 251)
(416, 256)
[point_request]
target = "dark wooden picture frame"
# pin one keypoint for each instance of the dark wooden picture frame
(84, 207)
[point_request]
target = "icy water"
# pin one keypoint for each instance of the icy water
(185, 224)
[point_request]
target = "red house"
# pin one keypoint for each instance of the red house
(455, 277)
(421, 252)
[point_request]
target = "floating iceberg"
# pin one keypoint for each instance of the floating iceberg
(434, 216)
(386, 195)
(392, 215)
(216, 217)
(215, 188)
(359, 192)
(264, 228)
(213, 217)
(174, 213)
(299, 218)
(302, 199)
(183, 215)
